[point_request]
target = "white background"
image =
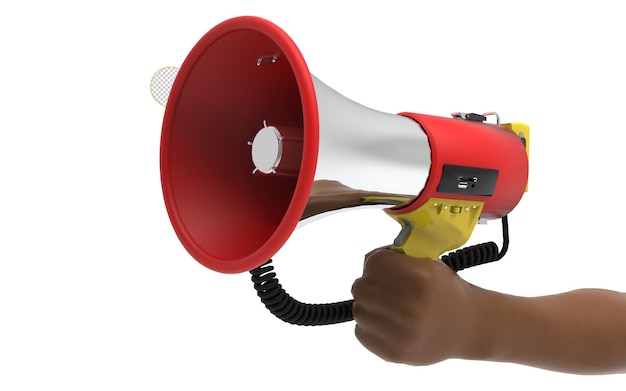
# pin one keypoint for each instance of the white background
(96, 292)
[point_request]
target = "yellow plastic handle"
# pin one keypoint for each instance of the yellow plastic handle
(439, 225)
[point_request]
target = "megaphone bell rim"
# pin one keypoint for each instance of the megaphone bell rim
(289, 52)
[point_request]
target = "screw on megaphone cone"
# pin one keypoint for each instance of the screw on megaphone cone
(161, 84)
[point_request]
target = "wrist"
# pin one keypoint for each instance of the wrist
(494, 321)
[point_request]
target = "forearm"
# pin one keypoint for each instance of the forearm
(582, 331)
(419, 312)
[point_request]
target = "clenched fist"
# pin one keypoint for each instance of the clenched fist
(410, 310)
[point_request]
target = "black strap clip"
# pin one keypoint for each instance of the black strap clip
(476, 117)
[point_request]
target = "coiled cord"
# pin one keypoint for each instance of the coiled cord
(290, 310)
(478, 254)
(286, 308)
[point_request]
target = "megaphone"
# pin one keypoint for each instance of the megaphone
(249, 133)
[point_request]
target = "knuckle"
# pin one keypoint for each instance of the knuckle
(357, 288)
(357, 311)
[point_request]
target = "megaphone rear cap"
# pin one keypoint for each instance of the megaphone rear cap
(227, 217)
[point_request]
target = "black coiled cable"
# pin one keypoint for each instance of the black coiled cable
(286, 308)
(478, 254)
(290, 310)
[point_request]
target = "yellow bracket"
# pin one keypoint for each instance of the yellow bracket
(438, 226)
(523, 131)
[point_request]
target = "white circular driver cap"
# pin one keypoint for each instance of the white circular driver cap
(267, 150)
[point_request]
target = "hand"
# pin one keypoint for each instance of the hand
(419, 312)
(413, 311)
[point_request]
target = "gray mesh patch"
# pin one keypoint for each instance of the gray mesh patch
(161, 84)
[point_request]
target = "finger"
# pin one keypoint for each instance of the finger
(383, 254)
(376, 344)
(385, 257)
(380, 305)
(386, 247)
(389, 265)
